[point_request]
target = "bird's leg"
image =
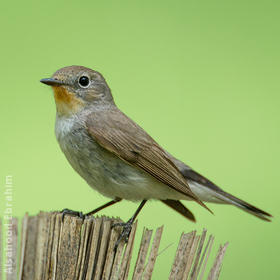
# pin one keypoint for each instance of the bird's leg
(103, 206)
(128, 225)
(82, 216)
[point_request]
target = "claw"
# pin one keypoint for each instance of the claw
(72, 213)
(125, 233)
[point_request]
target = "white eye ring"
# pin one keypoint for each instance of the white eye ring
(84, 81)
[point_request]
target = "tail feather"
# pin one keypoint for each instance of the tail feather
(249, 208)
(180, 208)
(208, 187)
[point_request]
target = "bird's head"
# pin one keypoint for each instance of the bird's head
(77, 87)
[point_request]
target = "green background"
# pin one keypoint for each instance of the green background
(202, 77)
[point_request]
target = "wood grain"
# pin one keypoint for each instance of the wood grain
(77, 249)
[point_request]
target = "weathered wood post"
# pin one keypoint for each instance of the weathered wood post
(76, 249)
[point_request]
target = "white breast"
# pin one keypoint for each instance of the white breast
(63, 126)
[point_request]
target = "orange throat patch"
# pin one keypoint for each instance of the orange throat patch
(66, 102)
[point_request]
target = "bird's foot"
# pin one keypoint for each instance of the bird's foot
(125, 232)
(72, 213)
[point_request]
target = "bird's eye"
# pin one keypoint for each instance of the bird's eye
(84, 81)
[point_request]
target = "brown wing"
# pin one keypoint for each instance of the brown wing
(180, 208)
(118, 134)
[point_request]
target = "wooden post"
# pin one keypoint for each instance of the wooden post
(76, 249)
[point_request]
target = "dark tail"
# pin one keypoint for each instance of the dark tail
(191, 175)
(230, 199)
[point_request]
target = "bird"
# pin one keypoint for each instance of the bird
(118, 158)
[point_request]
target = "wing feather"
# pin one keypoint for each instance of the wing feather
(118, 134)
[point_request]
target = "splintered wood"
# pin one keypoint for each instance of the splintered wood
(189, 264)
(76, 249)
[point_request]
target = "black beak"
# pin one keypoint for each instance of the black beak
(52, 82)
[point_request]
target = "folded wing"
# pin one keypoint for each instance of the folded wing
(124, 138)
